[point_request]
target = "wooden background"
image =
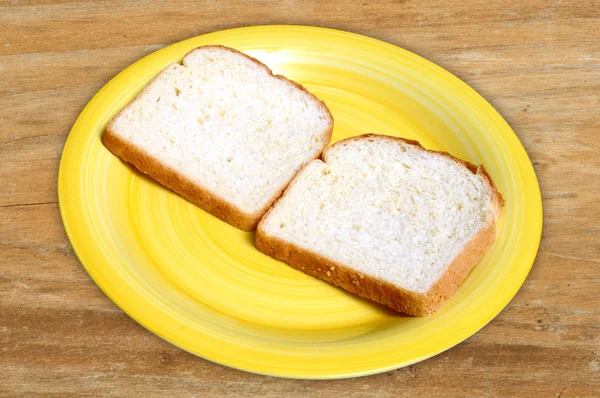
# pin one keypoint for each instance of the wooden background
(537, 62)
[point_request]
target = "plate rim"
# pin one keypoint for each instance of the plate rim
(532, 254)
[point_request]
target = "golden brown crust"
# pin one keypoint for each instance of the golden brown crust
(196, 194)
(371, 288)
(460, 267)
(199, 195)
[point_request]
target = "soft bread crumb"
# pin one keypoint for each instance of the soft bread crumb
(384, 208)
(223, 122)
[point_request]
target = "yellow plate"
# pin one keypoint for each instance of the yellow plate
(200, 283)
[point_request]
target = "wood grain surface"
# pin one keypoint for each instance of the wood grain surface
(537, 62)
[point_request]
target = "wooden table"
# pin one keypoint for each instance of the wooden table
(537, 62)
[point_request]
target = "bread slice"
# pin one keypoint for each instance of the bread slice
(386, 219)
(222, 131)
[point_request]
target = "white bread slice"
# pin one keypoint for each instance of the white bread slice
(222, 131)
(386, 219)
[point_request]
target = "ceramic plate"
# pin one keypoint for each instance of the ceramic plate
(201, 285)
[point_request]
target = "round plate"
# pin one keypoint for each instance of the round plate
(200, 284)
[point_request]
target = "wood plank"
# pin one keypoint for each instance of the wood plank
(29, 172)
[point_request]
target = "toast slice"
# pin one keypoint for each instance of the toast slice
(386, 219)
(222, 131)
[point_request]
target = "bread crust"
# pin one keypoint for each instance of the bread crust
(197, 194)
(383, 292)
(173, 180)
